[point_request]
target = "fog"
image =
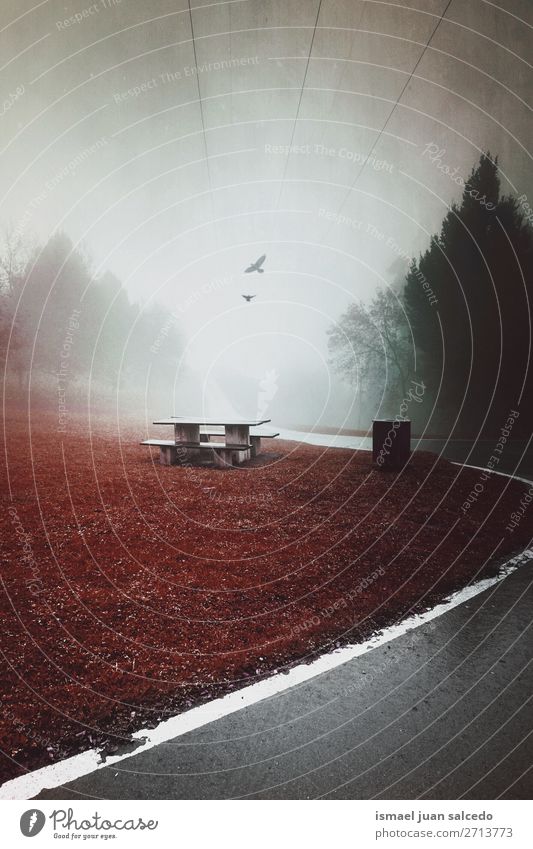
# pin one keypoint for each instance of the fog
(174, 162)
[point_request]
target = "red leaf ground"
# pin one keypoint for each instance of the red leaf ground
(132, 591)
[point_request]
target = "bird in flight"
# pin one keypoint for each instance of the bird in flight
(248, 298)
(256, 266)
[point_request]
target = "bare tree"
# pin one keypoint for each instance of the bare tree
(14, 255)
(370, 345)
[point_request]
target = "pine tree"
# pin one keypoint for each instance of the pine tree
(473, 339)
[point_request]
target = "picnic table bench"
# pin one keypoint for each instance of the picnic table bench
(255, 437)
(192, 440)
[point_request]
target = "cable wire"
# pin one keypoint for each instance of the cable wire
(209, 181)
(299, 105)
(384, 127)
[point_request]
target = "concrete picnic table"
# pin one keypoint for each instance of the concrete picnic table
(238, 445)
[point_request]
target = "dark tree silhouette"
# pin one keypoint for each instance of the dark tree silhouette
(474, 338)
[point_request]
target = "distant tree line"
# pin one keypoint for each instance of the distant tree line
(460, 321)
(59, 321)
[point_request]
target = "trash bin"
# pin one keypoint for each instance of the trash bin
(391, 443)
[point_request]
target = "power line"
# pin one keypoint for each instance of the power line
(384, 127)
(197, 75)
(345, 66)
(299, 104)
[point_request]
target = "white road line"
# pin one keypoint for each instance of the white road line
(54, 775)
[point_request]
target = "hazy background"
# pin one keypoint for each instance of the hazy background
(176, 188)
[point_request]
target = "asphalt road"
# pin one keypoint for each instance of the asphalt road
(515, 459)
(442, 712)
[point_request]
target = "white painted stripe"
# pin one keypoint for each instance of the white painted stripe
(29, 785)
(492, 472)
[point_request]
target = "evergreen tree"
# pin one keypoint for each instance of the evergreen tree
(474, 337)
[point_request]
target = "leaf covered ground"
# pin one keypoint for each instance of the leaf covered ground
(131, 591)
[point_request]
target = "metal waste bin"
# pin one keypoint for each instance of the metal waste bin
(391, 443)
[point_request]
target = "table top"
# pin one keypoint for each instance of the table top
(206, 421)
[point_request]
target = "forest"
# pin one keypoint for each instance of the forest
(457, 325)
(459, 322)
(68, 328)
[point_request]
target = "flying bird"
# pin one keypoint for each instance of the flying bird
(256, 266)
(248, 298)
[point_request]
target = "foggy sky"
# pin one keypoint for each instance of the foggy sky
(123, 170)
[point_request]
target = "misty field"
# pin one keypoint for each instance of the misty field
(133, 591)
